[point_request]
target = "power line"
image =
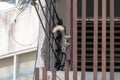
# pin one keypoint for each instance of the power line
(34, 4)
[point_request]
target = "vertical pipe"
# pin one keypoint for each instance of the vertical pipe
(103, 39)
(74, 39)
(111, 39)
(95, 66)
(44, 73)
(15, 68)
(83, 39)
(71, 33)
(54, 74)
(66, 70)
(51, 39)
(68, 25)
(36, 73)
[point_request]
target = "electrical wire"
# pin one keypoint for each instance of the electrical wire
(15, 21)
(48, 23)
(54, 10)
(58, 64)
(59, 61)
(45, 30)
(51, 16)
(34, 4)
(22, 9)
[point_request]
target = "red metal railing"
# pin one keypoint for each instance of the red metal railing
(71, 27)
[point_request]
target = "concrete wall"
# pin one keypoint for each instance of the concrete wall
(19, 35)
(19, 30)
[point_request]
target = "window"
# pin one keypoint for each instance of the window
(6, 69)
(26, 66)
(90, 36)
(90, 8)
(21, 67)
(89, 45)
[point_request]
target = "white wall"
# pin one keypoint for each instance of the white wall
(19, 35)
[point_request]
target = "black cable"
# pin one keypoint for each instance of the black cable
(59, 64)
(55, 12)
(57, 56)
(59, 20)
(48, 23)
(22, 9)
(34, 4)
(50, 12)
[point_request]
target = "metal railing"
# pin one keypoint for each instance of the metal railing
(71, 29)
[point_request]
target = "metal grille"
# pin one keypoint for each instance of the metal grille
(98, 38)
(95, 40)
(89, 45)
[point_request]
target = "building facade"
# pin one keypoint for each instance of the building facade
(19, 33)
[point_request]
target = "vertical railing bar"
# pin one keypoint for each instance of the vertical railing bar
(44, 73)
(111, 39)
(95, 60)
(36, 73)
(66, 70)
(68, 25)
(54, 74)
(103, 39)
(83, 50)
(74, 39)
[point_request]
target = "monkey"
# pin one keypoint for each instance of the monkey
(65, 38)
